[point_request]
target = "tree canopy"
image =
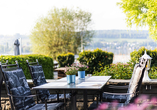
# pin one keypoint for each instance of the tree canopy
(60, 31)
(141, 13)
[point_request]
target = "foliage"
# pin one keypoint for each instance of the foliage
(60, 31)
(71, 70)
(135, 55)
(153, 72)
(45, 61)
(143, 102)
(116, 71)
(81, 67)
(122, 71)
(95, 59)
(65, 59)
(141, 13)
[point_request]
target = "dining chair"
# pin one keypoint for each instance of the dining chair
(38, 78)
(133, 87)
(18, 91)
(1, 82)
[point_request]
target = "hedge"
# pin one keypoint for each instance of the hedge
(135, 55)
(45, 61)
(65, 59)
(116, 71)
(95, 59)
(122, 71)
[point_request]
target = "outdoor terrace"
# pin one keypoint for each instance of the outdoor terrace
(148, 88)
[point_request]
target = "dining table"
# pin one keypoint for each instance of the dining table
(95, 83)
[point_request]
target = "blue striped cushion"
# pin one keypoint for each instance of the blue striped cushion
(18, 85)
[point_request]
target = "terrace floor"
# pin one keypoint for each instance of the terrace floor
(148, 88)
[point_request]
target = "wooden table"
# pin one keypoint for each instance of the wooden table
(61, 72)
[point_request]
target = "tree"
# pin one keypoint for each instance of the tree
(141, 13)
(60, 31)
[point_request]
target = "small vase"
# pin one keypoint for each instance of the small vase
(81, 74)
(71, 79)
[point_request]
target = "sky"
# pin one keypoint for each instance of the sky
(20, 16)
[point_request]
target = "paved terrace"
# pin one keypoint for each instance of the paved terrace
(148, 88)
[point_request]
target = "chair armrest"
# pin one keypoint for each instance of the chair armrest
(21, 96)
(118, 93)
(45, 98)
(118, 87)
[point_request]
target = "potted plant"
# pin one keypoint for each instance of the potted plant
(71, 73)
(81, 70)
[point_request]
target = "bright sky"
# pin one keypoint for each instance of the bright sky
(20, 16)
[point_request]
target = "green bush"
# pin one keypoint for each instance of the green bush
(45, 61)
(122, 71)
(153, 73)
(116, 71)
(135, 55)
(95, 59)
(65, 59)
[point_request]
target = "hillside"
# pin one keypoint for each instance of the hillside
(117, 41)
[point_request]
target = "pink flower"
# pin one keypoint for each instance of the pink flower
(115, 103)
(144, 97)
(144, 106)
(141, 99)
(122, 108)
(138, 100)
(153, 101)
(103, 106)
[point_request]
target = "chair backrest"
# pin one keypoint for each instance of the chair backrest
(1, 81)
(16, 85)
(38, 78)
(136, 80)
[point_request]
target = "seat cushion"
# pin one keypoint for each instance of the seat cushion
(61, 96)
(110, 97)
(52, 106)
(38, 78)
(135, 84)
(16, 82)
(38, 75)
(53, 97)
(136, 81)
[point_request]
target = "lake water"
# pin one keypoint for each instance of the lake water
(121, 58)
(116, 58)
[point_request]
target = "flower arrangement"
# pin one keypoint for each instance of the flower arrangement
(71, 70)
(81, 67)
(74, 68)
